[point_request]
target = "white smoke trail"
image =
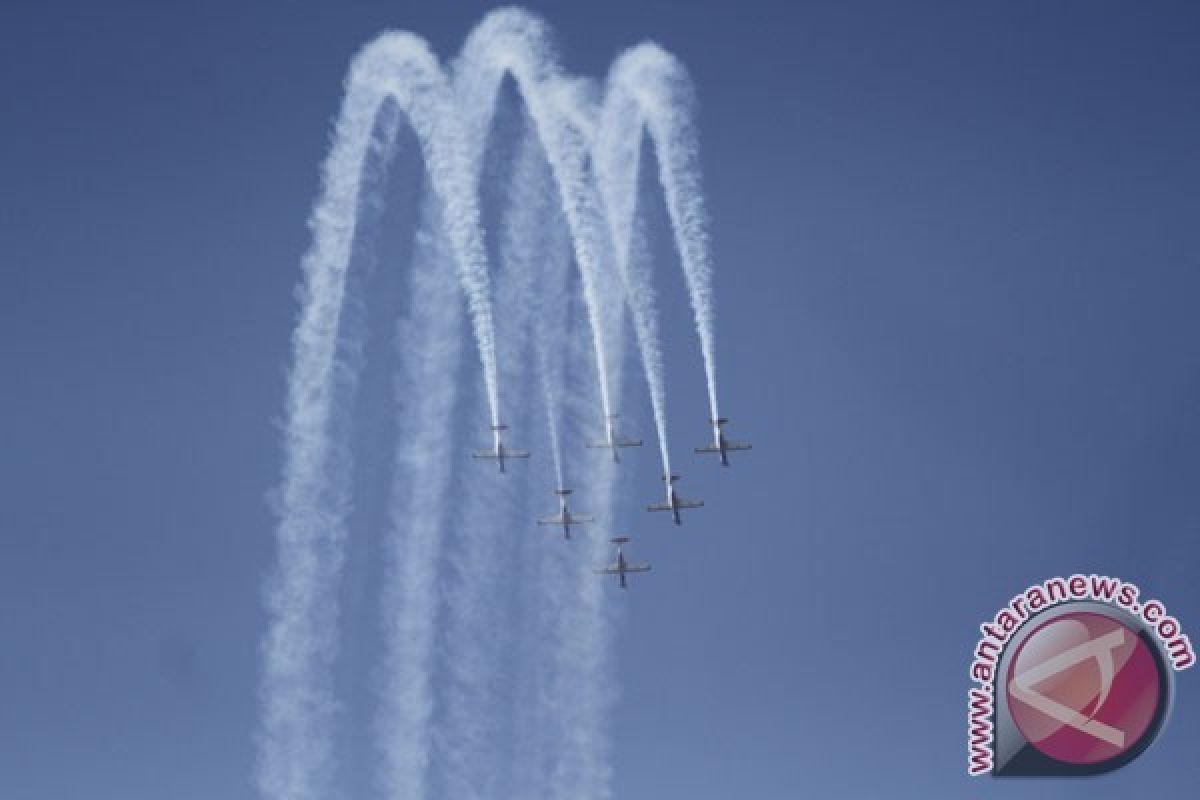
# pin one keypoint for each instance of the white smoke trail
(514, 43)
(649, 90)
(449, 652)
(475, 653)
(550, 398)
(400, 67)
(615, 159)
(482, 634)
(578, 696)
(535, 245)
(426, 385)
(295, 750)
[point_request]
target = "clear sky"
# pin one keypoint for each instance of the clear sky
(957, 269)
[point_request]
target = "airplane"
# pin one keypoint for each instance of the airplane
(721, 444)
(498, 451)
(621, 567)
(674, 502)
(564, 516)
(614, 441)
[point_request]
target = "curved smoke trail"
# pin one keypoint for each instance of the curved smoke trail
(444, 726)
(615, 159)
(295, 754)
(649, 91)
(513, 43)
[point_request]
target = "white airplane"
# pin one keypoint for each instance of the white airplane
(614, 441)
(621, 567)
(564, 516)
(674, 501)
(721, 444)
(498, 451)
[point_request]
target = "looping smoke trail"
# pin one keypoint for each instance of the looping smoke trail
(441, 724)
(649, 90)
(514, 43)
(400, 66)
(295, 754)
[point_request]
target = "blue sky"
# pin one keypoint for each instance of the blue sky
(957, 265)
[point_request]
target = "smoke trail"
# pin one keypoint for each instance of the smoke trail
(295, 751)
(577, 697)
(511, 42)
(537, 245)
(649, 90)
(429, 342)
(482, 634)
(453, 583)
(615, 159)
(550, 399)
(401, 67)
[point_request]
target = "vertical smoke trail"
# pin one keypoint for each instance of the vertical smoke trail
(537, 245)
(550, 391)
(649, 90)
(535, 238)
(578, 694)
(426, 386)
(295, 750)
(482, 636)
(615, 158)
(531, 239)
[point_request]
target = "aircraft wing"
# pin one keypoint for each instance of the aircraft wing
(628, 443)
(516, 453)
(611, 569)
(659, 507)
(738, 446)
(708, 448)
(689, 503)
(555, 520)
(581, 519)
(486, 454)
(637, 567)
